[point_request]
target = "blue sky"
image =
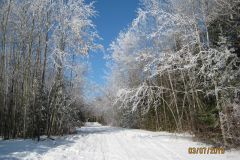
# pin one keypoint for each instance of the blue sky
(113, 16)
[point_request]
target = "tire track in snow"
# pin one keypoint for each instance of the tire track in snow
(108, 143)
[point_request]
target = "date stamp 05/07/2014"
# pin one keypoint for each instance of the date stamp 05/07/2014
(205, 150)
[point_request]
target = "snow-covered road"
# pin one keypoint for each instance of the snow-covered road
(96, 142)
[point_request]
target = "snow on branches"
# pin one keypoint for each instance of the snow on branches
(174, 68)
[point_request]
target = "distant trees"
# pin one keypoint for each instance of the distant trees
(176, 68)
(41, 80)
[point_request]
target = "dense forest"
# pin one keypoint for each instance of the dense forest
(42, 69)
(175, 68)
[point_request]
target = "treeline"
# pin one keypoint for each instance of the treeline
(177, 68)
(41, 66)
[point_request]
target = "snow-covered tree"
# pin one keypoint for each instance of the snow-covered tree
(174, 68)
(42, 69)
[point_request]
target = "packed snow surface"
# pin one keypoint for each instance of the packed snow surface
(97, 142)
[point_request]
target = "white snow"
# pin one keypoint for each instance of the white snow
(96, 142)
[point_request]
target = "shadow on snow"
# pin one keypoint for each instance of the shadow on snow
(17, 149)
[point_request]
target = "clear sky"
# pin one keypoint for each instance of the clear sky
(113, 16)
